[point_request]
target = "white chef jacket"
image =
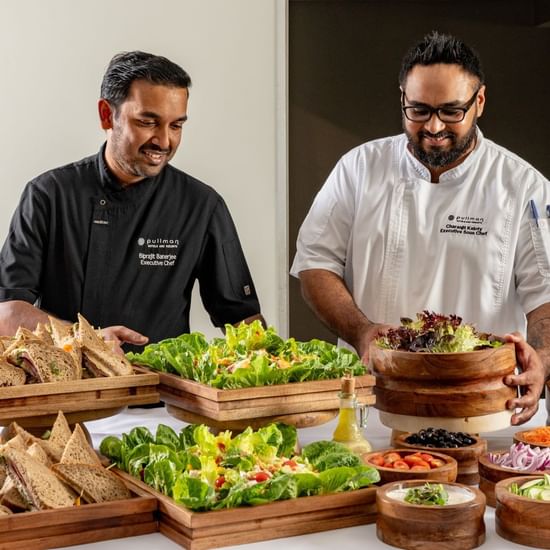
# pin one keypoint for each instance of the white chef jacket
(469, 245)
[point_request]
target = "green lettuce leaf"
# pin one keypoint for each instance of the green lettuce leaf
(194, 493)
(111, 447)
(165, 435)
(161, 475)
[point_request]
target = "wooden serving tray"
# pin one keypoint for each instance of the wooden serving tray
(80, 524)
(260, 401)
(202, 530)
(80, 400)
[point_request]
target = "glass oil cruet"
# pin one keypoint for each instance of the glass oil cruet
(349, 431)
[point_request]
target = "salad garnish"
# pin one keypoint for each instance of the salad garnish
(429, 494)
(204, 471)
(248, 356)
(436, 333)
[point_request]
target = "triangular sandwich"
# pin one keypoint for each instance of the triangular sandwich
(10, 375)
(43, 362)
(42, 333)
(37, 483)
(78, 450)
(61, 431)
(64, 337)
(94, 483)
(99, 357)
(53, 451)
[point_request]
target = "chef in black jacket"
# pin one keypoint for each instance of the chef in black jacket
(122, 236)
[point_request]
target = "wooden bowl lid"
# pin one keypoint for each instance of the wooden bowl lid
(471, 365)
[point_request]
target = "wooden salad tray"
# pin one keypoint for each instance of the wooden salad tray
(258, 402)
(287, 518)
(80, 400)
(80, 524)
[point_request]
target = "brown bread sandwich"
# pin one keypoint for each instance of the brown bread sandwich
(99, 357)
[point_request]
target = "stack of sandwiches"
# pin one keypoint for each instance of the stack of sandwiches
(64, 470)
(58, 352)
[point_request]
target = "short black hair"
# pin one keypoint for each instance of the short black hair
(437, 48)
(126, 67)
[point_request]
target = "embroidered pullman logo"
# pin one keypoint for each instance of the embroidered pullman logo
(158, 251)
(465, 225)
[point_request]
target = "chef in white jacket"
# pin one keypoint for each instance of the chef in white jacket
(437, 218)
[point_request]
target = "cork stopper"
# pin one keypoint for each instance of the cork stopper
(348, 384)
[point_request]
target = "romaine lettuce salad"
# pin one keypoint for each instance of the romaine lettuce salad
(203, 471)
(248, 356)
(436, 333)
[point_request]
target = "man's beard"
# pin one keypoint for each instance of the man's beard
(439, 158)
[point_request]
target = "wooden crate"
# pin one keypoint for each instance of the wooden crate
(80, 400)
(299, 516)
(80, 524)
(258, 402)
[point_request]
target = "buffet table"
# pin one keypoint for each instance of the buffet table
(354, 538)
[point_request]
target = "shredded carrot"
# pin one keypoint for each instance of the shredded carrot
(538, 436)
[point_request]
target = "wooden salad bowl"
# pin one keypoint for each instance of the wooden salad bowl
(447, 472)
(520, 519)
(419, 526)
(466, 457)
(490, 474)
(523, 437)
(456, 391)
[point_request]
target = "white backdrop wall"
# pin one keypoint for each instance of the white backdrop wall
(52, 57)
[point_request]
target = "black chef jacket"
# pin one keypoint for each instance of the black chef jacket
(80, 242)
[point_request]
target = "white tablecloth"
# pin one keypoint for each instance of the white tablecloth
(353, 538)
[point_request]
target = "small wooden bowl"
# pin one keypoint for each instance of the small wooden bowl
(520, 519)
(447, 472)
(416, 526)
(461, 391)
(466, 457)
(519, 437)
(490, 474)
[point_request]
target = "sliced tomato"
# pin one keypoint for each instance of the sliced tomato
(290, 463)
(219, 482)
(400, 465)
(377, 460)
(261, 476)
(436, 463)
(391, 457)
(411, 460)
(426, 456)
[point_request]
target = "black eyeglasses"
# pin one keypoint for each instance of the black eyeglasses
(423, 113)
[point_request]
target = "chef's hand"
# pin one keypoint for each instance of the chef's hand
(530, 380)
(373, 331)
(118, 335)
